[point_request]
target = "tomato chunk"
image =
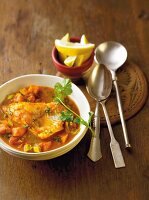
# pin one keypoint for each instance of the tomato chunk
(18, 98)
(4, 129)
(15, 141)
(31, 98)
(34, 89)
(19, 131)
(64, 137)
(45, 146)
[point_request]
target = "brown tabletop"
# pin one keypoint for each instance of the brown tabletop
(28, 29)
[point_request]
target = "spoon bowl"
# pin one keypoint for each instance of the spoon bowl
(99, 84)
(111, 54)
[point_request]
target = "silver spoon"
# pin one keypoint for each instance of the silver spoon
(113, 55)
(94, 152)
(99, 86)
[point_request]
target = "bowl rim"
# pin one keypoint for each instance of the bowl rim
(68, 145)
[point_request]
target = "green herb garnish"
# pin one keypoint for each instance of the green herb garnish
(62, 91)
(27, 147)
(66, 116)
(57, 139)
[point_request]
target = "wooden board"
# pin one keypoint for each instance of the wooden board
(133, 91)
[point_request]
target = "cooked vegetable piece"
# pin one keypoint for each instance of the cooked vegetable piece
(4, 129)
(19, 131)
(23, 91)
(15, 141)
(18, 98)
(27, 147)
(31, 98)
(34, 89)
(64, 137)
(37, 148)
(10, 96)
(45, 146)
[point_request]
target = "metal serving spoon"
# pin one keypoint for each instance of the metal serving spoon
(99, 86)
(113, 55)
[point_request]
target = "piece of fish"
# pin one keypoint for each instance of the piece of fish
(42, 119)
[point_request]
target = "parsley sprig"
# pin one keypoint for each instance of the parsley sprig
(67, 116)
(61, 92)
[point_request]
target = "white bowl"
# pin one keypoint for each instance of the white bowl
(49, 81)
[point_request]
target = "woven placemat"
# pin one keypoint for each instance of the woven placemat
(133, 91)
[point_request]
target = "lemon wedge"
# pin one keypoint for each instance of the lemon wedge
(66, 38)
(73, 49)
(81, 59)
(69, 61)
(84, 40)
(62, 56)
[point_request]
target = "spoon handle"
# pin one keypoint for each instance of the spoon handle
(114, 145)
(95, 150)
(127, 144)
